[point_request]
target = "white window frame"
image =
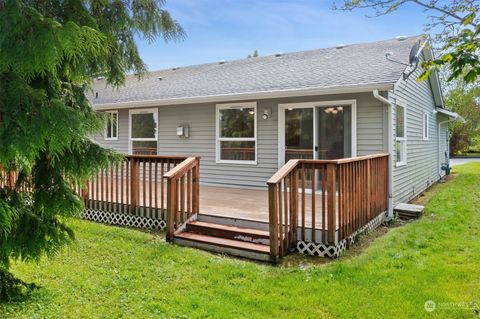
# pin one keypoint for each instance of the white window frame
(314, 105)
(402, 140)
(112, 138)
(426, 127)
(219, 139)
(130, 139)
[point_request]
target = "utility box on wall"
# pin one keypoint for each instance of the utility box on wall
(183, 131)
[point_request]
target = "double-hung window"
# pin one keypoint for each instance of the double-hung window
(425, 126)
(111, 127)
(401, 136)
(144, 131)
(236, 130)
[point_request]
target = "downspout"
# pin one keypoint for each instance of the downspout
(457, 118)
(377, 95)
(439, 163)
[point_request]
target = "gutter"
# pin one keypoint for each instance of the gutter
(377, 96)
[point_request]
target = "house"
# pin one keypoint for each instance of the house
(359, 105)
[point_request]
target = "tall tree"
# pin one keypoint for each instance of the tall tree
(456, 29)
(254, 54)
(465, 100)
(49, 51)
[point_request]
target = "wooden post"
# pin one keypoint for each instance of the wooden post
(295, 206)
(85, 194)
(369, 190)
(11, 179)
(134, 184)
(273, 222)
(331, 199)
(196, 187)
(172, 201)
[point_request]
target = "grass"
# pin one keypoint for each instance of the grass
(113, 272)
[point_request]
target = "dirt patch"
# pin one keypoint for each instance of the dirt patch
(425, 197)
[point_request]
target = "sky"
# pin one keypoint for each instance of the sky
(231, 29)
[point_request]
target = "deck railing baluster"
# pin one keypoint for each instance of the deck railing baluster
(353, 192)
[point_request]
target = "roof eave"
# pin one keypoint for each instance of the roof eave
(450, 114)
(247, 96)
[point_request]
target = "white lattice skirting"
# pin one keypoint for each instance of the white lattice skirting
(123, 219)
(334, 251)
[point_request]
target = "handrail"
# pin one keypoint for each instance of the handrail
(140, 156)
(183, 167)
(283, 171)
(183, 194)
(344, 160)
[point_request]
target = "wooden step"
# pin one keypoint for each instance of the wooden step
(223, 245)
(409, 211)
(229, 232)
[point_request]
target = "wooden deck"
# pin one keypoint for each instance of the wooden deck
(240, 203)
(350, 193)
(248, 204)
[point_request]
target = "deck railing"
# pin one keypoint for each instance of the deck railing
(137, 185)
(183, 193)
(327, 198)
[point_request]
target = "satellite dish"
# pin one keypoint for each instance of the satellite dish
(413, 58)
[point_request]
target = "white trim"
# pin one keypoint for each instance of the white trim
(450, 114)
(426, 126)
(389, 109)
(382, 86)
(115, 138)
(154, 111)
(314, 105)
(402, 140)
(219, 139)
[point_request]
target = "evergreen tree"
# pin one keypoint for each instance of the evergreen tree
(49, 52)
(253, 55)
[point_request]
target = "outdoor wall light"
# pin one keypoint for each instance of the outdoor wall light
(267, 113)
(183, 131)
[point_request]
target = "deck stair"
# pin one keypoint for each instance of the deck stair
(224, 235)
(409, 211)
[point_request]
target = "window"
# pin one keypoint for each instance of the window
(401, 136)
(425, 126)
(144, 131)
(237, 133)
(111, 128)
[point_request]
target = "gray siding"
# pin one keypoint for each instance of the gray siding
(423, 156)
(371, 130)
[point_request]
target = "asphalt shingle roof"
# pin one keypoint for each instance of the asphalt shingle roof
(356, 64)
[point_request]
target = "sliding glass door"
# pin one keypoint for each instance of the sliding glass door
(334, 131)
(317, 130)
(299, 133)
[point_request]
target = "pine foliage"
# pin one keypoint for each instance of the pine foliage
(49, 52)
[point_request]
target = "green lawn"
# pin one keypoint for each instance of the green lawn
(114, 272)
